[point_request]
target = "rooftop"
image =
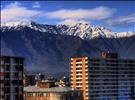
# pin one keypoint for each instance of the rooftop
(53, 89)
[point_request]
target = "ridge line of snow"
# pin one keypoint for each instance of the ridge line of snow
(83, 30)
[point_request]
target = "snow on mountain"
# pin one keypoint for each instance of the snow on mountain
(125, 34)
(21, 24)
(17, 23)
(86, 31)
(82, 30)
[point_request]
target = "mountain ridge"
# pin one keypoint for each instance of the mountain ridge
(82, 30)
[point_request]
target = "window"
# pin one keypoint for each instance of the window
(7, 68)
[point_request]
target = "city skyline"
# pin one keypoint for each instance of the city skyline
(67, 50)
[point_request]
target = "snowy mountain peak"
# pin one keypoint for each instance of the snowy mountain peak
(82, 30)
(73, 23)
(18, 23)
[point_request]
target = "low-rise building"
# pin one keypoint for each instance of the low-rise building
(44, 91)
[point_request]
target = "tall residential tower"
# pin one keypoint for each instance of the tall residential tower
(105, 78)
(11, 78)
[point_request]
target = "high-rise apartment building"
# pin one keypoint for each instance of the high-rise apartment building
(11, 78)
(105, 78)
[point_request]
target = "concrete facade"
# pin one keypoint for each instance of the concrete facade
(103, 78)
(11, 78)
(54, 93)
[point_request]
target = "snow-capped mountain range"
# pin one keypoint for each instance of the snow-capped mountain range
(82, 30)
(48, 48)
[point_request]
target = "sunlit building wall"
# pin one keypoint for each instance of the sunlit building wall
(105, 78)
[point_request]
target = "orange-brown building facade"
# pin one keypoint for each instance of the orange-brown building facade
(78, 74)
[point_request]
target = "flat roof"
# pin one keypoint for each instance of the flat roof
(52, 90)
(100, 58)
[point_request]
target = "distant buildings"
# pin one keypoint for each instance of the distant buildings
(32, 78)
(105, 78)
(11, 78)
(62, 82)
(29, 79)
(45, 90)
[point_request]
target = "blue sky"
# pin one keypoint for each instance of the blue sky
(115, 15)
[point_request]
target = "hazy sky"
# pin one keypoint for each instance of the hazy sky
(115, 15)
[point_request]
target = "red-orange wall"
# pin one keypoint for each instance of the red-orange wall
(83, 59)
